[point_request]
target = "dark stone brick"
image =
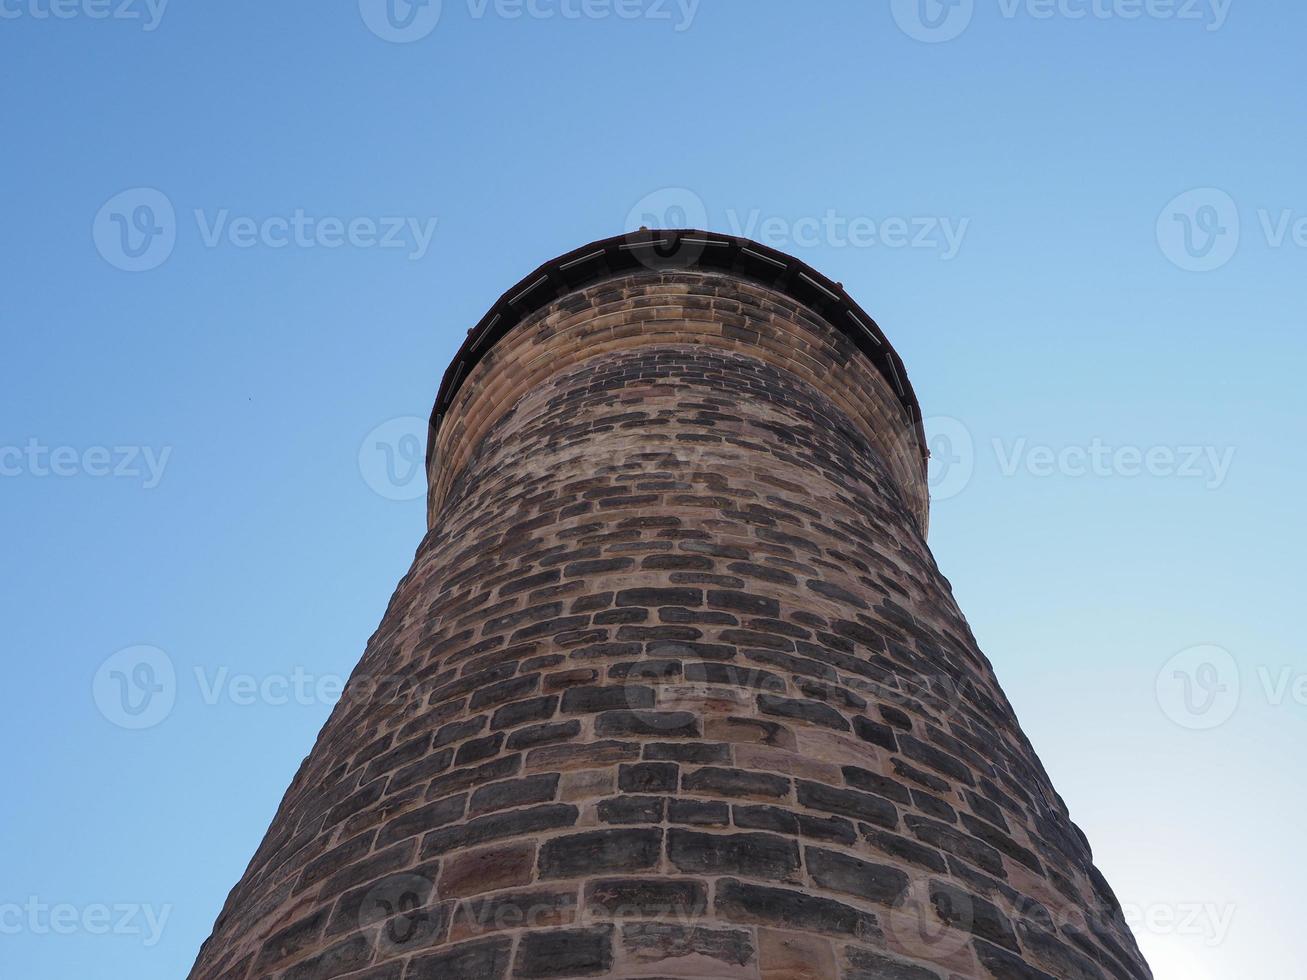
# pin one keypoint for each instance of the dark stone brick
(928, 755)
(477, 749)
(873, 782)
(647, 897)
(933, 806)
(344, 957)
(646, 669)
(509, 690)
(632, 809)
(766, 818)
(591, 603)
(420, 772)
(648, 777)
(535, 709)
(422, 819)
(456, 731)
(600, 852)
(908, 851)
(931, 782)
(563, 624)
(300, 935)
(753, 855)
(899, 719)
(1000, 841)
(517, 792)
(876, 734)
(849, 803)
(697, 813)
(944, 837)
(587, 755)
(528, 582)
(864, 964)
(743, 602)
(618, 617)
(1002, 965)
(565, 953)
(485, 959)
(811, 711)
(461, 779)
(616, 697)
(836, 593)
(677, 563)
(973, 914)
(787, 909)
(694, 753)
(597, 566)
(733, 675)
(837, 830)
(663, 940)
(843, 873)
(689, 649)
(644, 724)
(536, 909)
(986, 809)
(497, 826)
(526, 738)
(758, 638)
(1047, 949)
(660, 597)
(736, 783)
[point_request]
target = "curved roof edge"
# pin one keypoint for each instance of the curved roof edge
(684, 249)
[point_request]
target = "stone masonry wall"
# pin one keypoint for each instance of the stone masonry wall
(673, 689)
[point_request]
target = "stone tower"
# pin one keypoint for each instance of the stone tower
(673, 687)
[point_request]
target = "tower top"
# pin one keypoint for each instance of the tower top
(680, 250)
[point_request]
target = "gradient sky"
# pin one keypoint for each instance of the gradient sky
(1113, 367)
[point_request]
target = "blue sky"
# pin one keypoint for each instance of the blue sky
(241, 242)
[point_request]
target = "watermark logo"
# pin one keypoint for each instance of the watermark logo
(669, 207)
(136, 230)
(149, 13)
(402, 906)
(136, 688)
(392, 458)
(933, 21)
(1199, 687)
(952, 456)
(1199, 230)
(400, 21)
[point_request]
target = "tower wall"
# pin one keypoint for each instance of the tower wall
(673, 689)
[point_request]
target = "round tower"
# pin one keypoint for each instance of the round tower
(673, 687)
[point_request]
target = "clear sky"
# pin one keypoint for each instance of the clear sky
(242, 240)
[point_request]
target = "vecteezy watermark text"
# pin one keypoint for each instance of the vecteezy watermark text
(35, 459)
(148, 12)
(38, 918)
(954, 457)
(935, 21)
(1098, 459)
(680, 207)
(406, 21)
